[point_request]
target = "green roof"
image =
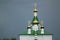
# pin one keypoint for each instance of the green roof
(35, 20)
(38, 33)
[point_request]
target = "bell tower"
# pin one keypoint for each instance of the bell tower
(35, 29)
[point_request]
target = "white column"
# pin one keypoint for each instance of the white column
(35, 14)
(42, 31)
(29, 31)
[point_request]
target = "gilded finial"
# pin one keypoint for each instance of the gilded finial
(28, 22)
(42, 24)
(35, 7)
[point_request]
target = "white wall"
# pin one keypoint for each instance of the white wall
(31, 37)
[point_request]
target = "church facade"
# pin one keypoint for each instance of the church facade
(35, 30)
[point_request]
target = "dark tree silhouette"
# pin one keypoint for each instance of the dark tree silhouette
(5, 38)
(13, 38)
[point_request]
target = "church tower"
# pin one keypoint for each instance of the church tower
(35, 29)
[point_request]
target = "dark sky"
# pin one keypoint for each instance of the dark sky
(14, 15)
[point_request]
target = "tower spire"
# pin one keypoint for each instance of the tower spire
(35, 9)
(28, 22)
(35, 5)
(29, 28)
(42, 27)
(35, 19)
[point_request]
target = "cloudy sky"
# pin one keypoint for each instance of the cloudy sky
(14, 15)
